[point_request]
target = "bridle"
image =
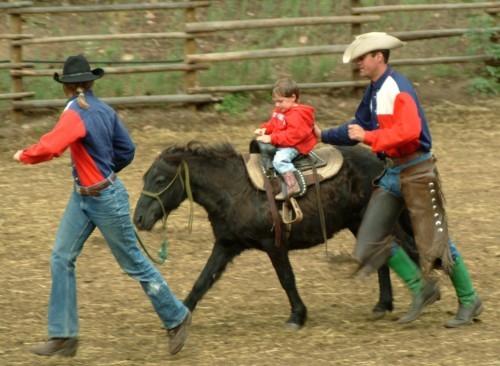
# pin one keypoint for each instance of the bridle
(186, 186)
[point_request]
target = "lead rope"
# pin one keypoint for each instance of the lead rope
(186, 185)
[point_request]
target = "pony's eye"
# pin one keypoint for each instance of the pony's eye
(160, 181)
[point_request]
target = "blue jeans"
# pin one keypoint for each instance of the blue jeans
(110, 212)
(390, 181)
(283, 157)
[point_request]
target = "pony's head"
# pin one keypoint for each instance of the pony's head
(163, 191)
(166, 183)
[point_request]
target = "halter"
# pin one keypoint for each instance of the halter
(186, 186)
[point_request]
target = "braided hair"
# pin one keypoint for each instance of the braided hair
(79, 88)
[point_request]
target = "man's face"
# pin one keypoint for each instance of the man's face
(284, 103)
(370, 66)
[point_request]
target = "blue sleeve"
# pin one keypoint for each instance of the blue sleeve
(339, 135)
(123, 147)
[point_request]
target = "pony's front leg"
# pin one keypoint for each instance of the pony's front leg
(222, 253)
(283, 268)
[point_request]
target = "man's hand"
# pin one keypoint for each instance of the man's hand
(356, 132)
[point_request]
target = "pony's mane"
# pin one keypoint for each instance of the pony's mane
(199, 149)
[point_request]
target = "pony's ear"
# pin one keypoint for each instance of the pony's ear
(254, 147)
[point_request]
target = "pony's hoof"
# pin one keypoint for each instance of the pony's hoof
(292, 327)
(376, 315)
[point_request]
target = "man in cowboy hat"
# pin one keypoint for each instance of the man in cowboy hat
(391, 121)
(100, 147)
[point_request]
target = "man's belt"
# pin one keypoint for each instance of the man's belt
(392, 162)
(95, 190)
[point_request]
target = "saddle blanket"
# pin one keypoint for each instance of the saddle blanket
(331, 155)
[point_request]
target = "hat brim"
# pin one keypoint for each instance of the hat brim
(80, 77)
(370, 42)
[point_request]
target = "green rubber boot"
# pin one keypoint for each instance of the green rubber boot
(423, 293)
(469, 304)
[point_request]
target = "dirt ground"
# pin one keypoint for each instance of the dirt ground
(241, 319)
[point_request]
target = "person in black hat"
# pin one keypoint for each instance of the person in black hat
(390, 120)
(100, 147)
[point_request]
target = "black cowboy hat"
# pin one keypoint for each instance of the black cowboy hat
(77, 69)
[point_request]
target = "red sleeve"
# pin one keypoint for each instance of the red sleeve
(269, 125)
(299, 127)
(68, 129)
(403, 126)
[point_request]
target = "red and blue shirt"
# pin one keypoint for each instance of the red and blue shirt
(98, 141)
(392, 117)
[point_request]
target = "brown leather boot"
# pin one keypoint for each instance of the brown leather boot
(292, 186)
(466, 315)
(177, 336)
(57, 346)
(429, 295)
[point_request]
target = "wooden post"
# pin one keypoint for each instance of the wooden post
(16, 57)
(355, 30)
(189, 49)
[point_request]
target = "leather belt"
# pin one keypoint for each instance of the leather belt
(392, 162)
(95, 190)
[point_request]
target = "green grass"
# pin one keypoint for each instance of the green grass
(262, 71)
(235, 104)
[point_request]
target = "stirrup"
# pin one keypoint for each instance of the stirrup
(288, 218)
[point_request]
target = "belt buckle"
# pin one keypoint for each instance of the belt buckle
(390, 162)
(82, 191)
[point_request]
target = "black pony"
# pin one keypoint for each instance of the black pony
(241, 218)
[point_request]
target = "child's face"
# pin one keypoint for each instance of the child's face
(284, 103)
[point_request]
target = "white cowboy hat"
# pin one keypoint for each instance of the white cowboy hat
(368, 42)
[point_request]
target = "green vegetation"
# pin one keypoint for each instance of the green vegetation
(248, 72)
(487, 81)
(235, 104)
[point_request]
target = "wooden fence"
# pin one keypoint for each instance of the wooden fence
(195, 62)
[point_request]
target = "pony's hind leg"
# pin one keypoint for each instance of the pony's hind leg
(283, 268)
(385, 302)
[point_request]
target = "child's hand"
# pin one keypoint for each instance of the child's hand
(260, 131)
(264, 138)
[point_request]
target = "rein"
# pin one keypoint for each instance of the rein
(186, 185)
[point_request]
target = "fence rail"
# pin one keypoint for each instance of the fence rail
(194, 62)
(119, 70)
(104, 37)
(421, 7)
(123, 101)
(438, 33)
(111, 8)
(275, 23)
(19, 4)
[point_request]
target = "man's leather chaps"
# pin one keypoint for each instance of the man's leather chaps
(375, 235)
(421, 190)
(422, 195)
